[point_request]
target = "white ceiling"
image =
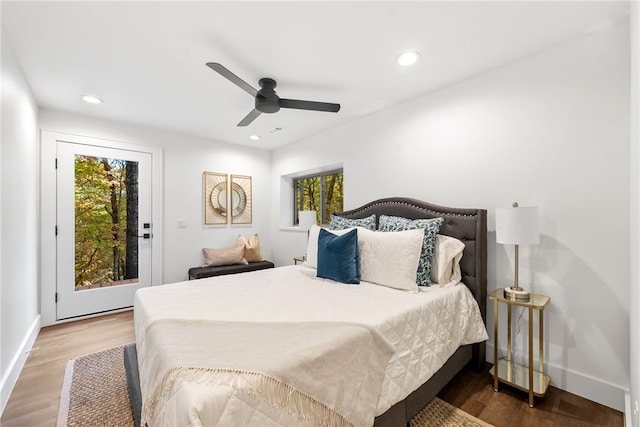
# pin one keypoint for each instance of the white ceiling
(147, 59)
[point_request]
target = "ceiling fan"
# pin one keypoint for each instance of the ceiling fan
(266, 99)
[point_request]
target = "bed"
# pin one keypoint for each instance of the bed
(283, 347)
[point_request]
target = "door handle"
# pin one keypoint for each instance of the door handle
(146, 226)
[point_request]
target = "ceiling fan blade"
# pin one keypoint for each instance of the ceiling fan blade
(309, 105)
(232, 78)
(249, 118)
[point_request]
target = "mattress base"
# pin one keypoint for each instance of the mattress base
(133, 382)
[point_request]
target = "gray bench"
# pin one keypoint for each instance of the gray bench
(202, 272)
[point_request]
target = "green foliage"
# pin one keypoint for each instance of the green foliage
(322, 193)
(100, 219)
(334, 195)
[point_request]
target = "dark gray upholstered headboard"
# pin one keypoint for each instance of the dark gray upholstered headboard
(467, 225)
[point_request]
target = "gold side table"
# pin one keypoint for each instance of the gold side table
(298, 259)
(505, 370)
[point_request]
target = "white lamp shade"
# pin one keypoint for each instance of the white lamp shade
(306, 219)
(517, 226)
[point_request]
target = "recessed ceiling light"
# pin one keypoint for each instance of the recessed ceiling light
(408, 58)
(254, 137)
(92, 99)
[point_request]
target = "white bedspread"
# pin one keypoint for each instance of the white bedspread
(425, 329)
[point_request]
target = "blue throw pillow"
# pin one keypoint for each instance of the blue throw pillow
(338, 257)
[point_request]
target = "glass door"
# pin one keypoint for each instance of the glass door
(104, 232)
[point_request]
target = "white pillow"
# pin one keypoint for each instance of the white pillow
(445, 265)
(390, 258)
(312, 245)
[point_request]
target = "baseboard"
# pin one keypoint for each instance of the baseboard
(17, 363)
(580, 384)
(627, 409)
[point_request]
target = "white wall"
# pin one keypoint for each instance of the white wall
(19, 320)
(185, 159)
(633, 417)
(551, 130)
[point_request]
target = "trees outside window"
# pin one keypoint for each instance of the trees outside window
(322, 193)
(106, 221)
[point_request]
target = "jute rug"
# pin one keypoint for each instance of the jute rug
(94, 393)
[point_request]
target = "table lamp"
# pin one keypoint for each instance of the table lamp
(305, 220)
(517, 226)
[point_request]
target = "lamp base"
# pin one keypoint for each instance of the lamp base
(516, 294)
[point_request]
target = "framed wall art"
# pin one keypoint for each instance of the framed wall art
(240, 200)
(215, 187)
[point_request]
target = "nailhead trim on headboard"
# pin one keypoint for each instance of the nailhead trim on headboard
(470, 226)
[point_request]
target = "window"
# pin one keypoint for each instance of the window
(321, 193)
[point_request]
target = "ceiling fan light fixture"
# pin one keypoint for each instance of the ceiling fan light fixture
(266, 100)
(407, 58)
(91, 99)
(254, 137)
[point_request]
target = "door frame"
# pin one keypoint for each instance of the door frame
(48, 143)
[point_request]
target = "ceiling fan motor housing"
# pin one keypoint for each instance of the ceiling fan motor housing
(267, 101)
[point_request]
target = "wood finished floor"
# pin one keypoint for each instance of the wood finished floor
(34, 401)
(472, 391)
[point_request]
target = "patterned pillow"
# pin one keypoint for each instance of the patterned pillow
(340, 223)
(431, 228)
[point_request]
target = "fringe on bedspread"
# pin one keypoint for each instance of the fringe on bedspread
(256, 385)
